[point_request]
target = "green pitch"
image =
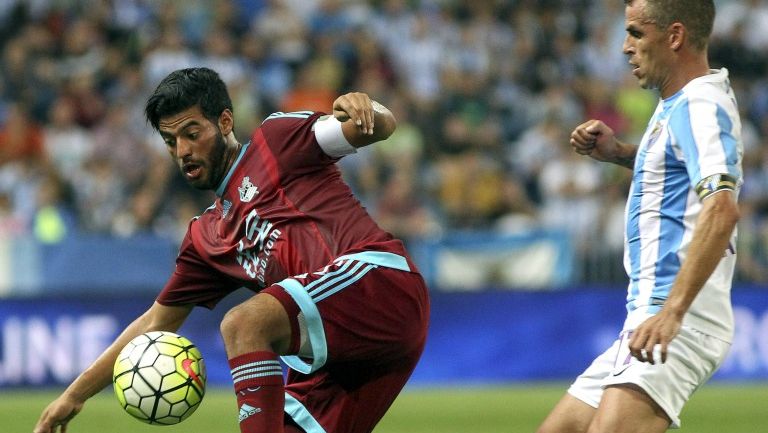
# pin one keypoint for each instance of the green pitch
(715, 409)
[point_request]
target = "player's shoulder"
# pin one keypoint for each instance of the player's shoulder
(289, 116)
(714, 89)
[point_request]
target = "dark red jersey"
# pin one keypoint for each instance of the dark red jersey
(282, 210)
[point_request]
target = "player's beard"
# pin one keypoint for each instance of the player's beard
(216, 165)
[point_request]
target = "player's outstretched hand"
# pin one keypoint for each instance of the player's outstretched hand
(596, 139)
(357, 107)
(55, 417)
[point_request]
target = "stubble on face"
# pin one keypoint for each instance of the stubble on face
(645, 40)
(216, 161)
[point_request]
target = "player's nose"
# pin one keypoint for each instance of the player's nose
(183, 149)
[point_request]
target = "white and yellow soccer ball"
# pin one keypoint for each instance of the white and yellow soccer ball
(159, 378)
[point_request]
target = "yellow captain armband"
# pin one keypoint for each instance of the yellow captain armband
(712, 184)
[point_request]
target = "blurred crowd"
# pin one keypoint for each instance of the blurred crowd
(486, 93)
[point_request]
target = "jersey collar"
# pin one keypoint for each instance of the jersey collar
(223, 185)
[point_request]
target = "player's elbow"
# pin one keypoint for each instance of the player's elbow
(735, 215)
(722, 211)
(387, 126)
(729, 212)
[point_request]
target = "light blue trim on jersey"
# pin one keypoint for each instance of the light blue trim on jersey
(314, 329)
(633, 225)
(729, 142)
(225, 181)
(680, 122)
(293, 114)
(380, 258)
(673, 206)
(301, 416)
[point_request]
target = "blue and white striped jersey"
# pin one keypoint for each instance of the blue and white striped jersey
(694, 134)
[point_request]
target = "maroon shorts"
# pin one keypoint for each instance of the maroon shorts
(375, 329)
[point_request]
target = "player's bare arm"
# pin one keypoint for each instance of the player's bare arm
(99, 374)
(364, 121)
(711, 238)
(597, 140)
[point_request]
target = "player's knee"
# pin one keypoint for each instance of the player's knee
(231, 323)
(254, 326)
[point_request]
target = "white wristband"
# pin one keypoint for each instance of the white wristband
(331, 138)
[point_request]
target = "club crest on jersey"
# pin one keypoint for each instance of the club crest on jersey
(654, 135)
(247, 190)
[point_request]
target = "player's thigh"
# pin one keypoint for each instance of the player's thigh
(628, 409)
(570, 415)
(575, 410)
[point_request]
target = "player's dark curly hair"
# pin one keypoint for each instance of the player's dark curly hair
(698, 17)
(186, 88)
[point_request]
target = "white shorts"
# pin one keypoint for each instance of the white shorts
(692, 358)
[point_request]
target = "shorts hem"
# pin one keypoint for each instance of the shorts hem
(582, 397)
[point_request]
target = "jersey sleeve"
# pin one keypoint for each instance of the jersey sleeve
(194, 281)
(299, 145)
(707, 137)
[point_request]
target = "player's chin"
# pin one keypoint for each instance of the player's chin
(200, 183)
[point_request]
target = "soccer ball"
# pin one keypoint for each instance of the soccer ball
(159, 378)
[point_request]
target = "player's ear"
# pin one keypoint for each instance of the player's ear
(676, 35)
(226, 121)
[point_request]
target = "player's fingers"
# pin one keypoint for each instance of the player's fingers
(340, 115)
(357, 107)
(648, 349)
(664, 347)
(364, 110)
(369, 114)
(636, 345)
(592, 128)
(341, 110)
(582, 135)
(354, 109)
(581, 147)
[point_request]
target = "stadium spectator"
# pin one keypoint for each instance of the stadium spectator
(21, 138)
(54, 218)
(67, 144)
(506, 67)
(10, 225)
(284, 31)
(569, 201)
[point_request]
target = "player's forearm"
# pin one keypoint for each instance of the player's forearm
(99, 374)
(710, 241)
(625, 154)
